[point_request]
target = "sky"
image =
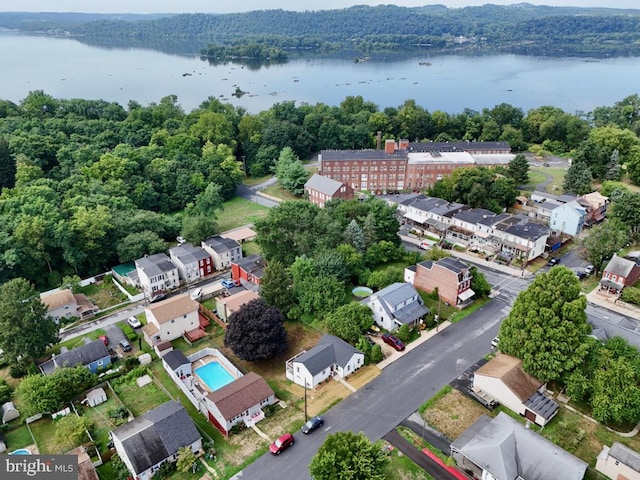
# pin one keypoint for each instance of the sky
(218, 6)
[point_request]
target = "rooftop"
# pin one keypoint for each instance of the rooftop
(241, 394)
(172, 308)
(323, 184)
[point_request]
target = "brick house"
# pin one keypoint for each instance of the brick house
(250, 269)
(451, 276)
(321, 189)
(619, 273)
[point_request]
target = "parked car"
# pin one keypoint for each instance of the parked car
(281, 444)
(228, 283)
(394, 341)
(104, 339)
(196, 294)
(553, 261)
(157, 298)
(426, 245)
(180, 240)
(312, 424)
(589, 269)
(495, 342)
(134, 322)
(581, 274)
(126, 346)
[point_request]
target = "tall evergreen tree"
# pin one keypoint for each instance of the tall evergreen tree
(7, 166)
(519, 170)
(578, 179)
(353, 235)
(276, 287)
(613, 168)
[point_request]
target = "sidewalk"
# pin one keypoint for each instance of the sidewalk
(611, 303)
(515, 272)
(424, 336)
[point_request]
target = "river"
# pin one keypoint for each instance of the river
(66, 68)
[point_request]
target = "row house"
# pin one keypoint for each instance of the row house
(568, 218)
(479, 229)
(157, 274)
(596, 206)
(405, 165)
(248, 270)
(223, 251)
(192, 262)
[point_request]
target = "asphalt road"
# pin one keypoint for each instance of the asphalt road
(394, 395)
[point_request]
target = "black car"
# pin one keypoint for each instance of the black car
(553, 261)
(312, 424)
(581, 274)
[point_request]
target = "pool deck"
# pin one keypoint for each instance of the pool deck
(200, 384)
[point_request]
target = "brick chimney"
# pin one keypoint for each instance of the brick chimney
(389, 146)
(379, 140)
(403, 144)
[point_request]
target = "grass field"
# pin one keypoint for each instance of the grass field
(18, 438)
(140, 399)
(238, 212)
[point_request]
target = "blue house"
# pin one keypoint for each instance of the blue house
(93, 355)
(568, 218)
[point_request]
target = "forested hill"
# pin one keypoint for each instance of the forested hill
(604, 30)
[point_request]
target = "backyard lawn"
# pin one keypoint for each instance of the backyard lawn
(140, 399)
(18, 438)
(238, 212)
(104, 294)
(44, 431)
(99, 416)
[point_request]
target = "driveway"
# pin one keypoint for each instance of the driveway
(395, 394)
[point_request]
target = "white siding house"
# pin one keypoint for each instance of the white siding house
(169, 319)
(331, 357)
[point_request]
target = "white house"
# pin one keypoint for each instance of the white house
(177, 365)
(503, 379)
(157, 274)
(170, 319)
(503, 449)
(331, 357)
(619, 462)
(154, 438)
(568, 218)
(240, 401)
(192, 262)
(396, 305)
(222, 250)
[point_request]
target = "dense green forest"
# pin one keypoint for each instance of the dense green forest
(541, 30)
(88, 184)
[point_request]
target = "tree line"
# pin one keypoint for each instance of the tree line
(587, 30)
(88, 183)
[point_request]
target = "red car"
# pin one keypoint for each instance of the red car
(394, 341)
(281, 444)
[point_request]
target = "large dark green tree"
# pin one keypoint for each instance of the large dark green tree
(578, 179)
(7, 165)
(626, 209)
(547, 326)
(25, 329)
(349, 321)
(290, 172)
(256, 332)
(348, 456)
(276, 287)
(603, 241)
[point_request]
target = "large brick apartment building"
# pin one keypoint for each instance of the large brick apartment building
(405, 165)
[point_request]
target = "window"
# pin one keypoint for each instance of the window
(173, 321)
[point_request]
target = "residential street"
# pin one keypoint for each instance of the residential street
(395, 394)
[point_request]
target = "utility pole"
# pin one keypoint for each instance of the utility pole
(306, 417)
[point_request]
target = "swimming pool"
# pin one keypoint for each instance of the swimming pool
(214, 375)
(21, 451)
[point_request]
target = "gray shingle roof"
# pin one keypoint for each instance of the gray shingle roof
(328, 351)
(543, 406)
(156, 435)
(175, 359)
(625, 455)
(395, 294)
(453, 264)
(506, 449)
(362, 155)
(82, 355)
(220, 244)
(323, 184)
(529, 231)
(253, 264)
(473, 215)
(154, 265)
(188, 253)
(620, 266)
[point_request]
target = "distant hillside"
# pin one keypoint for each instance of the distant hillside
(537, 29)
(40, 22)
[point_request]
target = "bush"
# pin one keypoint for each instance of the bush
(631, 295)
(404, 333)
(129, 332)
(376, 354)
